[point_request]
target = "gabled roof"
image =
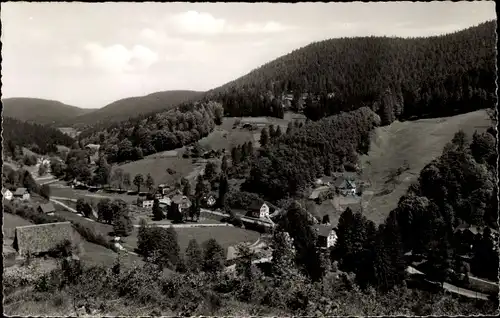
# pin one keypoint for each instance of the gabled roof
(47, 207)
(42, 238)
(182, 200)
(21, 191)
(323, 229)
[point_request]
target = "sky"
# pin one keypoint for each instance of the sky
(91, 54)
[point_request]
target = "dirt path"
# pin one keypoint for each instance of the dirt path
(190, 225)
(452, 288)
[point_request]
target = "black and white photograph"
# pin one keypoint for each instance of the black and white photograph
(249, 159)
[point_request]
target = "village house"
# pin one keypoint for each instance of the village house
(259, 211)
(209, 201)
(326, 235)
(42, 238)
(7, 194)
(345, 186)
(22, 194)
(147, 203)
(163, 189)
(47, 208)
(180, 203)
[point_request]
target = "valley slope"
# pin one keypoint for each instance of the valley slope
(416, 143)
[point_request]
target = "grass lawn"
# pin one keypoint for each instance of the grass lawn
(157, 167)
(417, 142)
(59, 189)
(10, 222)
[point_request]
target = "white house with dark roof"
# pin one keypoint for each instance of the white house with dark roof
(7, 194)
(22, 194)
(326, 235)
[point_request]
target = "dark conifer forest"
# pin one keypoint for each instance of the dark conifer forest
(38, 138)
(148, 134)
(397, 78)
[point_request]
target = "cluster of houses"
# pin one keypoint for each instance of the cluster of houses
(21, 194)
(343, 185)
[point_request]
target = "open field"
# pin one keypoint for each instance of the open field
(10, 222)
(417, 142)
(158, 168)
(60, 189)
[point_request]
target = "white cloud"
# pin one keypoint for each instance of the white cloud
(203, 23)
(198, 23)
(73, 60)
(251, 27)
(117, 58)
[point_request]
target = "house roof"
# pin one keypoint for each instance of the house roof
(182, 200)
(93, 146)
(41, 238)
(323, 229)
(47, 207)
(4, 191)
(316, 192)
(21, 191)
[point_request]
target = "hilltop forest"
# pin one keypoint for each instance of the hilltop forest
(145, 135)
(37, 138)
(397, 78)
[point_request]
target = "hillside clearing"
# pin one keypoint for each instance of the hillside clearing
(416, 142)
(157, 167)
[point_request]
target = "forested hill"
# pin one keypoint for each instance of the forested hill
(38, 138)
(399, 78)
(40, 111)
(126, 108)
(147, 134)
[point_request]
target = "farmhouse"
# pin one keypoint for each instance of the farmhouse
(46, 208)
(22, 194)
(345, 186)
(165, 201)
(93, 147)
(257, 210)
(180, 202)
(163, 189)
(209, 201)
(7, 194)
(315, 195)
(147, 203)
(326, 235)
(41, 238)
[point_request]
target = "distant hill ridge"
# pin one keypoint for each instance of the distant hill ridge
(40, 111)
(129, 107)
(55, 113)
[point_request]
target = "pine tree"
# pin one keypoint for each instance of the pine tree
(138, 181)
(157, 211)
(223, 190)
(278, 132)
(224, 165)
(213, 260)
(149, 182)
(187, 189)
(264, 138)
(194, 257)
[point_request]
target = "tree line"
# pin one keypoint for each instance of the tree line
(287, 163)
(398, 78)
(37, 138)
(144, 135)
